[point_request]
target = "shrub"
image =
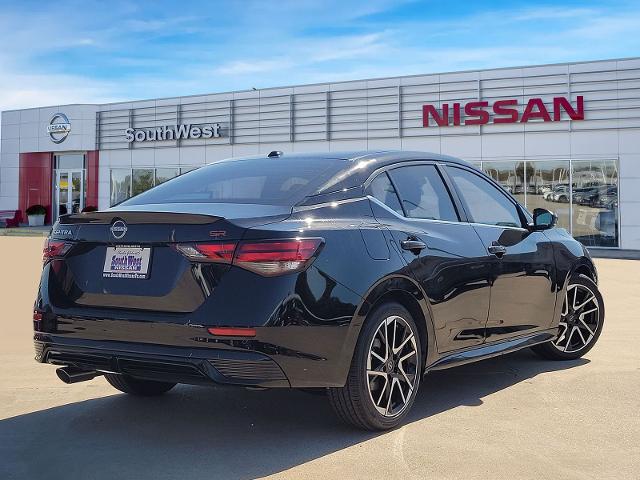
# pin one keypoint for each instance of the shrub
(36, 210)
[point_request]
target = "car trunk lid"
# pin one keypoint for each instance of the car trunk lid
(166, 281)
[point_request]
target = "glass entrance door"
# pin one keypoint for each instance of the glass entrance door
(69, 192)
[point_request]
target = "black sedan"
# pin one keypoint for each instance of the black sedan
(354, 274)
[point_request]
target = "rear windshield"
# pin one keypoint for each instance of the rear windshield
(266, 181)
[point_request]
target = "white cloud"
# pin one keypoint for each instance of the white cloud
(116, 50)
(29, 90)
(240, 67)
(604, 28)
(348, 47)
(552, 13)
(311, 53)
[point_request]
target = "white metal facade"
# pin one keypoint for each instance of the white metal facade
(362, 115)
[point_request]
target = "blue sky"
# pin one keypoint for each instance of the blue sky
(81, 51)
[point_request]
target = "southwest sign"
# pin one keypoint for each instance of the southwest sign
(504, 111)
(173, 132)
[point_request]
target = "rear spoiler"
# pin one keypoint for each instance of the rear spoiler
(180, 213)
(107, 217)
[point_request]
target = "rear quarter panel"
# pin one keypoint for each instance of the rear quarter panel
(353, 269)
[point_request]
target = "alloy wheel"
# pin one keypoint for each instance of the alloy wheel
(392, 366)
(579, 320)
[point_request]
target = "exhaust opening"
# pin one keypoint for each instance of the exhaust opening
(74, 375)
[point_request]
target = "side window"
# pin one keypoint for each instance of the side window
(484, 202)
(423, 193)
(382, 189)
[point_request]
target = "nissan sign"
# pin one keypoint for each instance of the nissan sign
(504, 111)
(173, 132)
(59, 128)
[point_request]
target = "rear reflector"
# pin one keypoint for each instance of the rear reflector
(54, 248)
(232, 331)
(264, 257)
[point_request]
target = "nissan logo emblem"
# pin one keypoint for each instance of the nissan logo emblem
(118, 229)
(59, 128)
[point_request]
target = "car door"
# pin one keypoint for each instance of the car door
(441, 251)
(522, 262)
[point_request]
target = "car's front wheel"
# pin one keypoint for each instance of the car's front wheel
(385, 371)
(137, 386)
(580, 324)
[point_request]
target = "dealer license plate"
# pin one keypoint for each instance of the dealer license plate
(127, 261)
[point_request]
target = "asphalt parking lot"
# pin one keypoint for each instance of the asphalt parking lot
(510, 417)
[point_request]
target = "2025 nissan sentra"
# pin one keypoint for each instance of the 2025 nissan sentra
(352, 273)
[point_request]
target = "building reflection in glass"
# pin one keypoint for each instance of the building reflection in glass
(548, 187)
(583, 193)
(595, 202)
(508, 174)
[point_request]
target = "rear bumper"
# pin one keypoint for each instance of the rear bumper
(162, 363)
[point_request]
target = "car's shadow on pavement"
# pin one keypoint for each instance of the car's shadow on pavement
(194, 432)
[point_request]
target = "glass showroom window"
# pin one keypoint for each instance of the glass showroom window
(69, 161)
(164, 174)
(143, 179)
(508, 174)
(126, 182)
(548, 187)
(595, 202)
(120, 185)
(184, 170)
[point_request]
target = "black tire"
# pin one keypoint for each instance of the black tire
(550, 351)
(353, 403)
(137, 386)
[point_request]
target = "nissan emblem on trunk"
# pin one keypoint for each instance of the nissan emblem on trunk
(118, 229)
(59, 128)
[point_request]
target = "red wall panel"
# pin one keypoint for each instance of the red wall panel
(91, 187)
(35, 182)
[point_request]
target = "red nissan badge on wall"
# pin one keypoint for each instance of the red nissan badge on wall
(504, 111)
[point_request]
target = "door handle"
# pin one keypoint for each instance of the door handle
(413, 245)
(497, 250)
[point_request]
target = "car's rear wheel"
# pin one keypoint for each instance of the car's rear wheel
(580, 324)
(137, 386)
(385, 371)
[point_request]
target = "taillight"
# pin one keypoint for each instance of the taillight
(264, 257)
(208, 252)
(275, 257)
(54, 249)
(37, 320)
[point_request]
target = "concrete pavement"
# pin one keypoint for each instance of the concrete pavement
(510, 417)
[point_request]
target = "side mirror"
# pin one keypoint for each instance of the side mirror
(543, 219)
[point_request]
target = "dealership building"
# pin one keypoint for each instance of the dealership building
(565, 137)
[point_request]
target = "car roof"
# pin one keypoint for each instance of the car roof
(358, 165)
(386, 156)
(369, 160)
